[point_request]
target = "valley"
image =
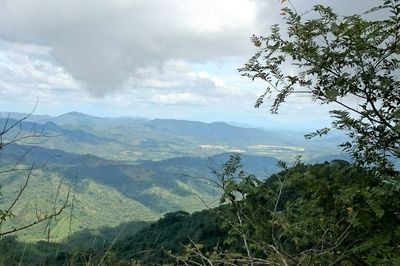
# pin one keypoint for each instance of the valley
(129, 169)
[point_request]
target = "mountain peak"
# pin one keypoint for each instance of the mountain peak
(76, 114)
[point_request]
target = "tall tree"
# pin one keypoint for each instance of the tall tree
(352, 62)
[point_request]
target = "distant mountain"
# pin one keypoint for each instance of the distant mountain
(29, 117)
(199, 132)
(219, 133)
(132, 139)
(76, 118)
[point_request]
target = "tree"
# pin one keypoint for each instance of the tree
(327, 214)
(352, 62)
(12, 133)
(333, 213)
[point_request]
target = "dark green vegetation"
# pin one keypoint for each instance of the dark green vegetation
(79, 249)
(135, 242)
(324, 214)
(333, 213)
(306, 214)
(170, 235)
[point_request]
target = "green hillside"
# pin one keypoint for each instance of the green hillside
(122, 173)
(340, 204)
(106, 192)
(94, 205)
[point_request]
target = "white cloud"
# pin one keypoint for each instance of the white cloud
(175, 82)
(179, 98)
(216, 16)
(103, 43)
(18, 64)
(27, 73)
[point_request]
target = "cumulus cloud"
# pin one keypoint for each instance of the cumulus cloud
(102, 42)
(26, 72)
(177, 83)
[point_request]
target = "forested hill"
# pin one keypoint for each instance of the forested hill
(213, 234)
(111, 192)
(132, 169)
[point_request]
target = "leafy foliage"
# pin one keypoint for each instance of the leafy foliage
(170, 234)
(331, 213)
(83, 248)
(128, 244)
(352, 62)
(334, 214)
(306, 214)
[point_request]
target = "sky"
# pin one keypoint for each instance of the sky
(145, 58)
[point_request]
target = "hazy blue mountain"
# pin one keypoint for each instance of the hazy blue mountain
(50, 129)
(219, 133)
(76, 118)
(132, 139)
(29, 117)
(199, 132)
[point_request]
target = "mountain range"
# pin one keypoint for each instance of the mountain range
(119, 170)
(132, 139)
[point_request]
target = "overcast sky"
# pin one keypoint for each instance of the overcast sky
(149, 58)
